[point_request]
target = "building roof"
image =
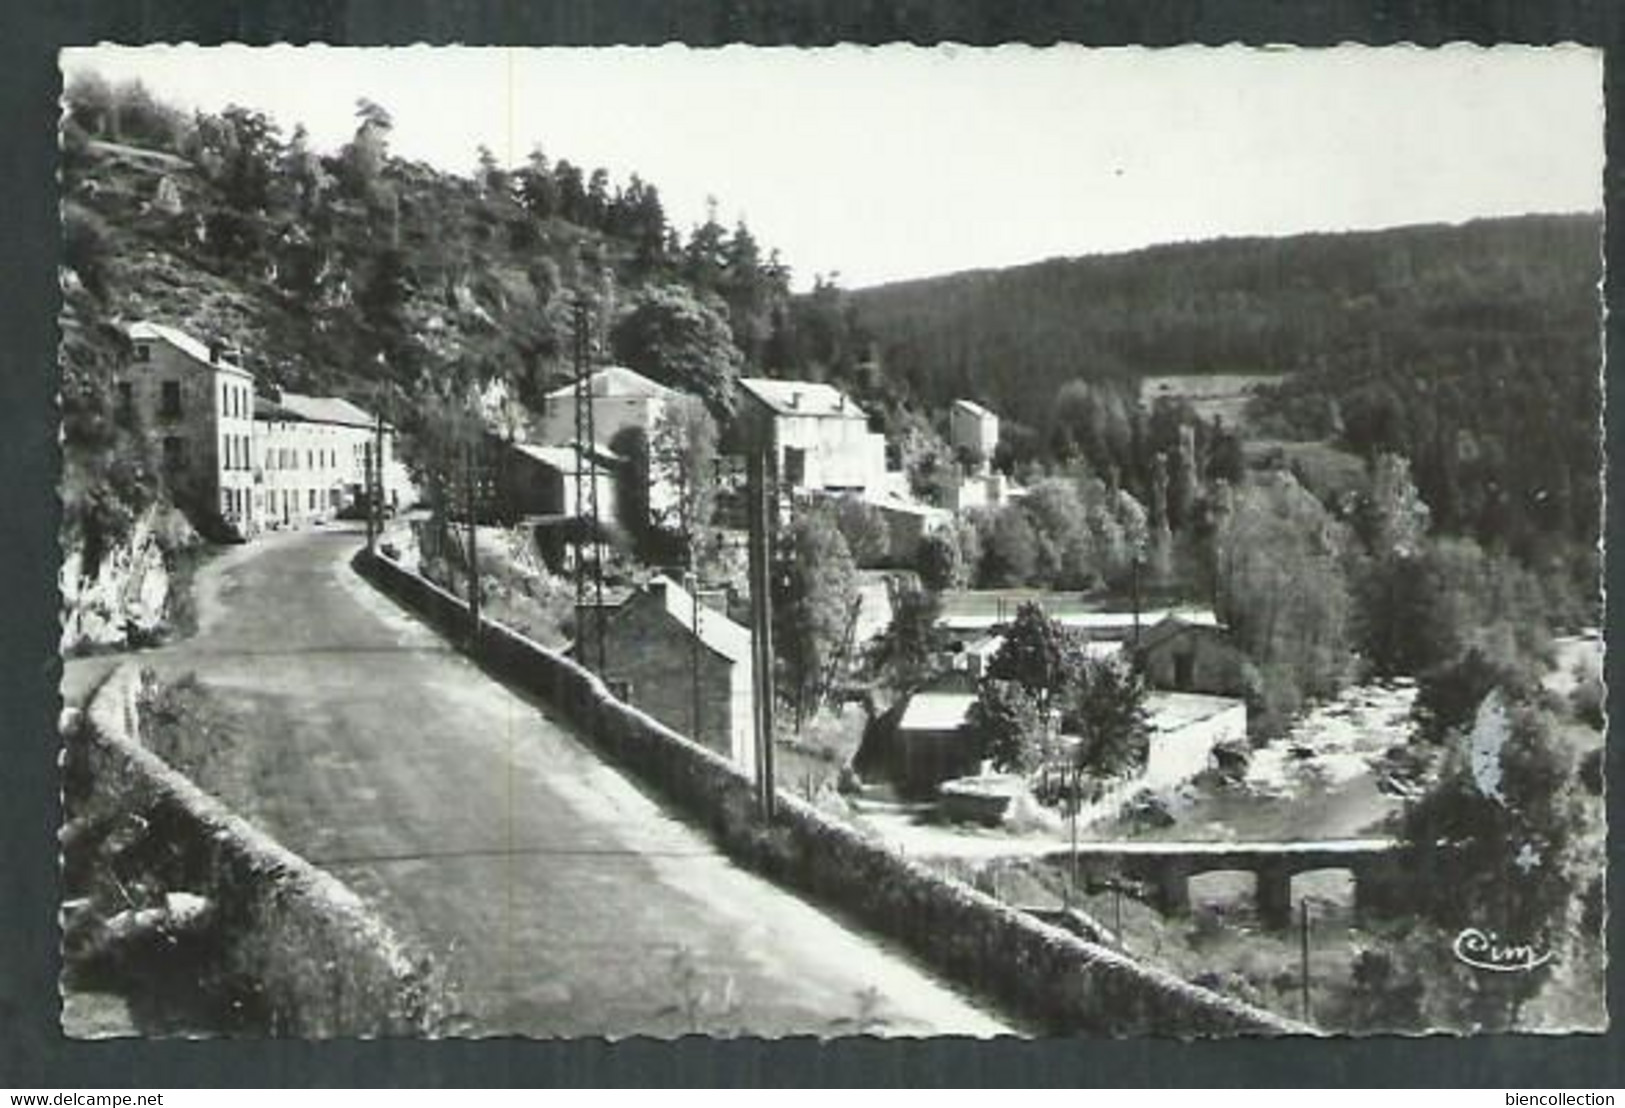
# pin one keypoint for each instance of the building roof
(147, 331)
(270, 411)
(1174, 625)
(889, 503)
(936, 711)
(325, 409)
(1101, 624)
(617, 381)
(716, 631)
(974, 408)
(802, 398)
(564, 458)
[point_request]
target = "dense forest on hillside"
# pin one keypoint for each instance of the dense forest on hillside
(1255, 306)
(1474, 351)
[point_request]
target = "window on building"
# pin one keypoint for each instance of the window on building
(126, 400)
(170, 404)
(174, 451)
(313, 500)
(795, 465)
(143, 352)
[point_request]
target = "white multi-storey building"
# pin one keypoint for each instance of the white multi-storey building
(198, 407)
(818, 439)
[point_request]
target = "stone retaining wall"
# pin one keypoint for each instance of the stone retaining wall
(322, 963)
(1040, 971)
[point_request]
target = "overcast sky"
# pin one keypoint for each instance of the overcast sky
(894, 162)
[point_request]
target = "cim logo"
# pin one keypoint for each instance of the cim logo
(1485, 950)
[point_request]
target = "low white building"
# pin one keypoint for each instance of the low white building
(311, 456)
(981, 490)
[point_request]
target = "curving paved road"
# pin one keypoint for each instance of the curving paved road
(561, 900)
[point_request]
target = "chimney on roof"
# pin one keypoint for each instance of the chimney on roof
(795, 398)
(216, 349)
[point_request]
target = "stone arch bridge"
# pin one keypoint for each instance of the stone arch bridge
(1164, 869)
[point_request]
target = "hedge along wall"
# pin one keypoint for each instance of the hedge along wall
(324, 964)
(1045, 973)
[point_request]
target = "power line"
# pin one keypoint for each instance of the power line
(589, 569)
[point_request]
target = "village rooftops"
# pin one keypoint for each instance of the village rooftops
(802, 398)
(565, 459)
(293, 407)
(617, 381)
(936, 711)
(326, 409)
(1176, 624)
(148, 331)
(717, 632)
(973, 408)
(891, 502)
(1113, 624)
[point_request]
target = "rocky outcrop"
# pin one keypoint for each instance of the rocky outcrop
(124, 598)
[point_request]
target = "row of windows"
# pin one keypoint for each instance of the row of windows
(236, 451)
(235, 502)
(287, 457)
(236, 401)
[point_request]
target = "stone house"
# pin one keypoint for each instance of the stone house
(1192, 656)
(817, 438)
(197, 406)
(685, 664)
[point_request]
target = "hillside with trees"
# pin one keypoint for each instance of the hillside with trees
(360, 274)
(1335, 303)
(1438, 343)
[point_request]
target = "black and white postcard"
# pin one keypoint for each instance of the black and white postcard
(897, 541)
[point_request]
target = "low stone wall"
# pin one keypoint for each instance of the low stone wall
(322, 963)
(1042, 972)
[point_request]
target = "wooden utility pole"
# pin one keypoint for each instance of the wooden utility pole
(760, 490)
(692, 580)
(366, 491)
(589, 547)
(376, 491)
(1303, 950)
(473, 550)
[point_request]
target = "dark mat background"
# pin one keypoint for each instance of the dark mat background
(34, 1055)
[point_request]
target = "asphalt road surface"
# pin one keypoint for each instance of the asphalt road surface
(560, 899)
